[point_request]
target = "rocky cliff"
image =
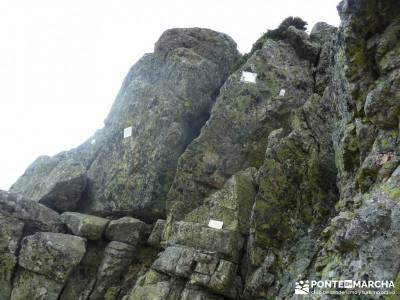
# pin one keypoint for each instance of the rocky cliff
(224, 176)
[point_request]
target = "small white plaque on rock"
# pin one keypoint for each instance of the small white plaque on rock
(93, 141)
(282, 92)
(215, 224)
(248, 77)
(127, 132)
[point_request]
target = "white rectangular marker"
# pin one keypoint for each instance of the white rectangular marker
(282, 92)
(248, 77)
(127, 132)
(215, 224)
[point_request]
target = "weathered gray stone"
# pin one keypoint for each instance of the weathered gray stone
(302, 44)
(234, 138)
(57, 182)
(225, 242)
(83, 225)
(260, 280)
(82, 280)
(156, 234)
(313, 140)
(326, 36)
(178, 261)
(217, 276)
(127, 230)
(10, 235)
(297, 189)
(54, 255)
(35, 216)
(165, 98)
(156, 286)
(30, 285)
(116, 260)
(223, 280)
(232, 204)
(193, 293)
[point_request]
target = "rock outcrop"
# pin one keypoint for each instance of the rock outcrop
(220, 176)
(57, 182)
(128, 166)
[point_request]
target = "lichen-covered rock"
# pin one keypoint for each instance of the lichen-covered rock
(165, 100)
(116, 260)
(234, 138)
(294, 148)
(83, 225)
(196, 293)
(54, 255)
(178, 261)
(127, 230)
(225, 242)
(57, 182)
(82, 280)
(30, 285)
(296, 196)
(222, 279)
(297, 190)
(156, 234)
(260, 280)
(10, 235)
(326, 36)
(300, 41)
(156, 286)
(35, 216)
(232, 204)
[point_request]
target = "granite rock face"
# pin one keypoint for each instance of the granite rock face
(234, 138)
(57, 182)
(164, 100)
(156, 234)
(35, 216)
(51, 254)
(87, 226)
(45, 262)
(220, 176)
(116, 260)
(10, 234)
(127, 230)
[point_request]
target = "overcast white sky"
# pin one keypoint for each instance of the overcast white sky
(62, 61)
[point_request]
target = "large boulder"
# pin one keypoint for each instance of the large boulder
(126, 230)
(31, 285)
(46, 260)
(54, 255)
(57, 182)
(35, 216)
(164, 101)
(83, 225)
